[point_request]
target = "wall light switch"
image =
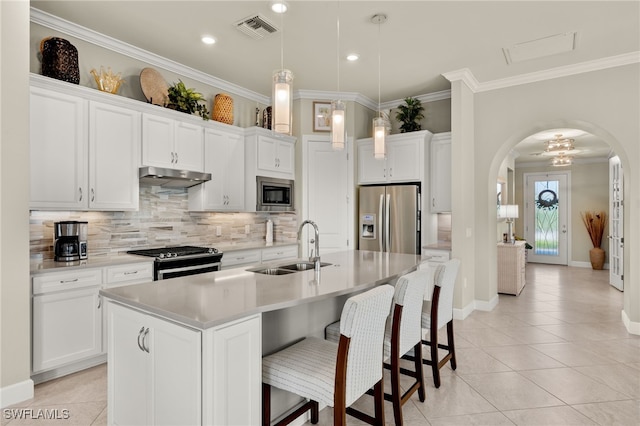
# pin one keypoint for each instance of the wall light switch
(247, 229)
(218, 231)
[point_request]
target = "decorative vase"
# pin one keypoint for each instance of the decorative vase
(596, 256)
(223, 108)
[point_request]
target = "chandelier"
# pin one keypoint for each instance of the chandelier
(559, 144)
(379, 124)
(562, 160)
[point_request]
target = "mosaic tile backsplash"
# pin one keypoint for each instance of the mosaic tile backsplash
(162, 220)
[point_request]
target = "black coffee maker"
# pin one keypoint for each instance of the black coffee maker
(70, 241)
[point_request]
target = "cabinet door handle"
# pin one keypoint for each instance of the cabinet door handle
(99, 301)
(69, 281)
(139, 337)
(433, 202)
(384, 172)
(390, 171)
(176, 158)
(80, 191)
(173, 157)
(130, 272)
(93, 195)
(145, 347)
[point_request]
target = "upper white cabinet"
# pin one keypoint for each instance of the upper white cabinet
(58, 141)
(170, 143)
(84, 153)
(224, 159)
(114, 139)
(404, 161)
(441, 173)
(266, 154)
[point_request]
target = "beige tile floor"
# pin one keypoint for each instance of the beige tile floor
(558, 354)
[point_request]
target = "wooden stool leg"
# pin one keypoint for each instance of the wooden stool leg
(434, 355)
(266, 404)
(396, 392)
(417, 360)
(378, 395)
(451, 344)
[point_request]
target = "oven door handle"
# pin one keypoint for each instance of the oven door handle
(186, 268)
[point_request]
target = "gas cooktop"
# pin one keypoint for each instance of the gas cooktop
(176, 252)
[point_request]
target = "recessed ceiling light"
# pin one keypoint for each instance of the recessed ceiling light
(352, 57)
(208, 40)
(279, 6)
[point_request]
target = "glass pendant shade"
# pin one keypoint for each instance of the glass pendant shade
(338, 133)
(379, 130)
(282, 101)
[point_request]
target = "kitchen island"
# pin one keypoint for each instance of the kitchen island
(188, 350)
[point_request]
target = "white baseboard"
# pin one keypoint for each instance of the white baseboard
(480, 305)
(585, 264)
(632, 327)
(16, 393)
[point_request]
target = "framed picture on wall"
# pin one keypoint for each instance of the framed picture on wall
(322, 116)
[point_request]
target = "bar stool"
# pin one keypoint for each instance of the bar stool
(436, 313)
(335, 374)
(403, 334)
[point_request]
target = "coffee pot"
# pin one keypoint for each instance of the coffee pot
(70, 241)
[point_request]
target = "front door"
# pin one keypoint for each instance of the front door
(616, 235)
(546, 227)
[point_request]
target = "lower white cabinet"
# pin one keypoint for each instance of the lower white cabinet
(241, 257)
(279, 253)
(233, 373)
(154, 370)
(66, 318)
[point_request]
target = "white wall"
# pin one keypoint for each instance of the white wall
(604, 103)
(15, 351)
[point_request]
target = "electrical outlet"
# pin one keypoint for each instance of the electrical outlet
(218, 231)
(247, 229)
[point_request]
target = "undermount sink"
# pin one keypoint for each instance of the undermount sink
(302, 266)
(287, 269)
(271, 271)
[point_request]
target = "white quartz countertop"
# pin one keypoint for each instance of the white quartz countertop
(38, 266)
(207, 300)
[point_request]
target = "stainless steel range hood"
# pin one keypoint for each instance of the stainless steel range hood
(170, 178)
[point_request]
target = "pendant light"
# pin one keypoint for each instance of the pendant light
(282, 92)
(379, 124)
(338, 109)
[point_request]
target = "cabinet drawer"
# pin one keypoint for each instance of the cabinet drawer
(57, 281)
(242, 257)
(128, 274)
(437, 255)
(279, 253)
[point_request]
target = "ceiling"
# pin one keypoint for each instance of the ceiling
(419, 42)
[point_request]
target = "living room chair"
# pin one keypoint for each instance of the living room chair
(403, 334)
(335, 374)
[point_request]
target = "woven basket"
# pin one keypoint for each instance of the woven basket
(60, 60)
(223, 108)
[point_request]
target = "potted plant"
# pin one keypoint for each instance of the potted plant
(595, 223)
(187, 100)
(409, 114)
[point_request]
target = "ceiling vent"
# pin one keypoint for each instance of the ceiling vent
(256, 26)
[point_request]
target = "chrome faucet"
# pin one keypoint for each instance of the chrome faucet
(315, 259)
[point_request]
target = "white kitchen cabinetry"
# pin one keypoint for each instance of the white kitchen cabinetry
(172, 144)
(224, 159)
(511, 267)
(66, 318)
(155, 370)
(404, 161)
(114, 141)
(232, 373)
(279, 253)
(76, 146)
(441, 173)
(266, 154)
(119, 275)
(58, 146)
(237, 258)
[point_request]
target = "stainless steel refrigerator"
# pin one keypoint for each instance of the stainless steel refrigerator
(389, 218)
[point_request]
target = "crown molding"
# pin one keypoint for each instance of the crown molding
(330, 96)
(58, 24)
(583, 67)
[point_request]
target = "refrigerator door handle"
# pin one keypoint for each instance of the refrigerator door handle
(380, 233)
(387, 224)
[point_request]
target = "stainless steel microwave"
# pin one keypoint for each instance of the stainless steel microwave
(274, 195)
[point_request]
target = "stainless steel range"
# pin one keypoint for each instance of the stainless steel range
(171, 262)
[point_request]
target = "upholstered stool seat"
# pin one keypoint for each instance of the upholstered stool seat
(335, 374)
(403, 333)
